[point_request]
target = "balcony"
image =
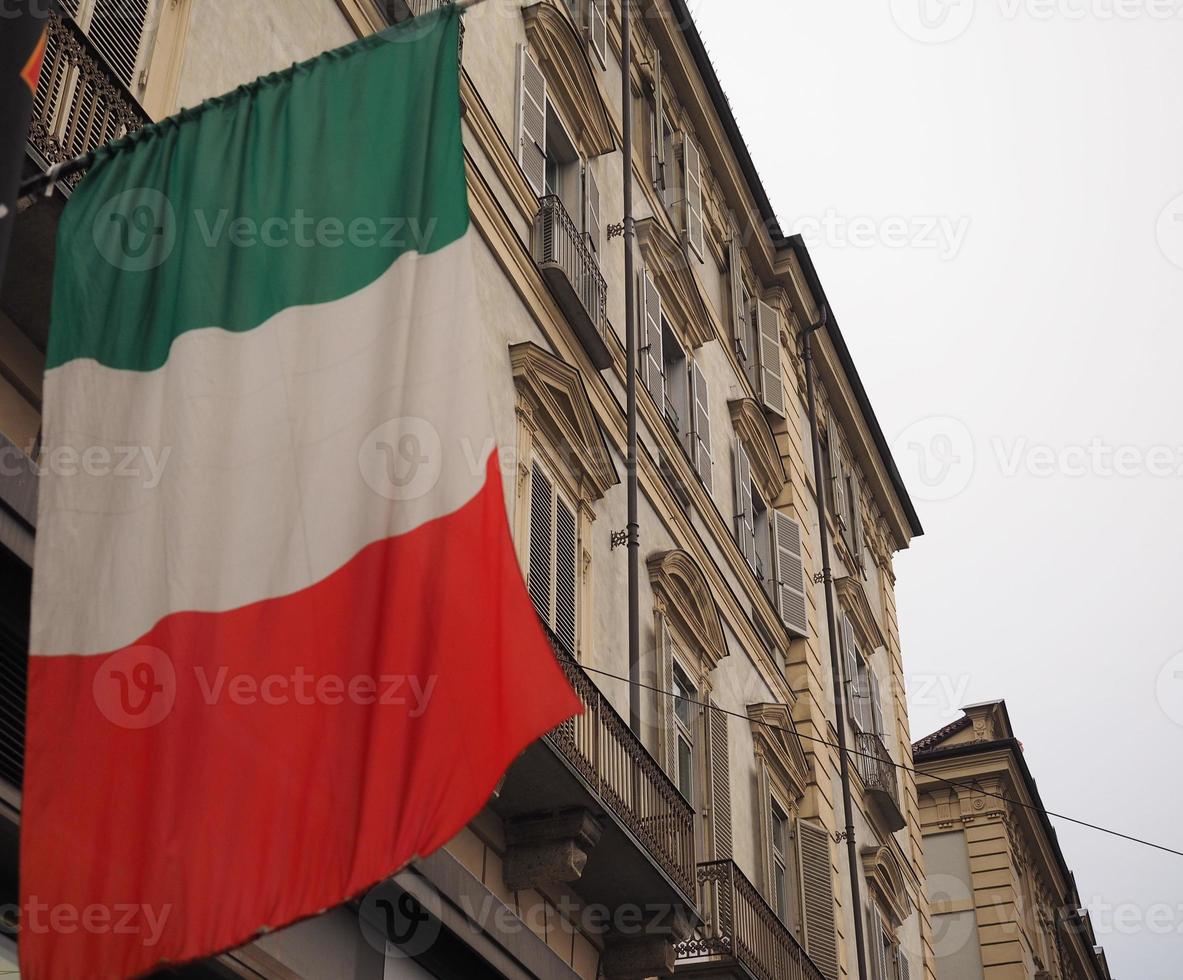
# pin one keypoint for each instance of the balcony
(878, 774)
(573, 273)
(594, 764)
(79, 104)
(741, 934)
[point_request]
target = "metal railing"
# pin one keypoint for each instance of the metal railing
(606, 753)
(875, 767)
(558, 243)
(80, 104)
(739, 924)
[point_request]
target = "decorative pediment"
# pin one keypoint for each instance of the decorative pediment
(768, 470)
(853, 596)
(680, 584)
(885, 875)
(776, 739)
(554, 394)
(665, 258)
(571, 81)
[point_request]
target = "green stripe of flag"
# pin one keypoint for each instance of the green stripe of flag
(236, 215)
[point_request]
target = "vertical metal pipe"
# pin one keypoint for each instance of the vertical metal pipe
(630, 329)
(835, 668)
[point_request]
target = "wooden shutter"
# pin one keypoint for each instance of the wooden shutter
(876, 705)
(837, 490)
(720, 785)
(856, 524)
(905, 969)
(876, 952)
(652, 363)
(658, 124)
(764, 821)
(591, 208)
(667, 752)
(116, 29)
(692, 166)
(850, 659)
(817, 895)
(772, 391)
(597, 27)
(745, 533)
(538, 573)
(790, 573)
(739, 315)
(566, 564)
(701, 414)
(532, 123)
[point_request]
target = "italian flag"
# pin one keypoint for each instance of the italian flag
(281, 644)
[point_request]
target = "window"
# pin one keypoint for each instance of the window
(551, 574)
(887, 959)
(762, 544)
(677, 385)
(781, 839)
(685, 707)
(862, 685)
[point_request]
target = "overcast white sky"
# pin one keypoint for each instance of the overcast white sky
(993, 196)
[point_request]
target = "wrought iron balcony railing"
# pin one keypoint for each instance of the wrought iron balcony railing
(878, 774)
(80, 104)
(606, 753)
(739, 925)
(572, 270)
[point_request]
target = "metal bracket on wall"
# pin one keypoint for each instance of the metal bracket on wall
(615, 231)
(618, 540)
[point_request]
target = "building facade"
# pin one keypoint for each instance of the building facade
(1003, 902)
(707, 841)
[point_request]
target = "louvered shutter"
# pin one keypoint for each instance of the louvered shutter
(764, 815)
(744, 527)
(905, 968)
(856, 527)
(658, 124)
(837, 490)
(116, 29)
(876, 705)
(692, 164)
(652, 364)
(565, 573)
(538, 573)
(790, 573)
(597, 27)
(876, 952)
(720, 776)
(818, 897)
(772, 391)
(701, 410)
(532, 123)
(739, 315)
(664, 659)
(851, 658)
(591, 209)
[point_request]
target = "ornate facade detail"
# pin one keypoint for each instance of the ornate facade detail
(665, 258)
(768, 469)
(687, 599)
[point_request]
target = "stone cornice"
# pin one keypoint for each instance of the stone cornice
(775, 736)
(751, 426)
(680, 583)
(665, 258)
(853, 596)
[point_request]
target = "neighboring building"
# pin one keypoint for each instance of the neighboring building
(1004, 903)
(709, 838)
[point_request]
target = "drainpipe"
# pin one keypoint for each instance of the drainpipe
(835, 669)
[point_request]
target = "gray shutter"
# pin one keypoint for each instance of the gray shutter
(597, 27)
(652, 364)
(875, 944)
(876, 704)
(701, 413)
(764, 813)
(720, 776)
(591, 208)
(116, 29)
(739, 315)
(658, 124)
(772, 391)
(692, 165)
(532, 122)
(817, 895)
(790, 573)
(837, 490)
(566, 563)
(744, 527)
(905, 968)
(667, 750)
(850, 660)
(538, 576)
(856, 526)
